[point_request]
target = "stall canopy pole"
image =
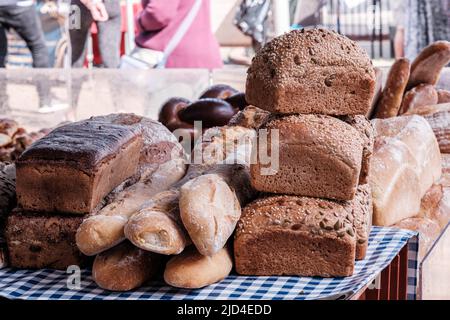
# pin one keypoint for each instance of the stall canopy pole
(281, 16)
(130, 27)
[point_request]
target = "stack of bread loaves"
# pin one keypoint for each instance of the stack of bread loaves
(75, 171)
(319, 86)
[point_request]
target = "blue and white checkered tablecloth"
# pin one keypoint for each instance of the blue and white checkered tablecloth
(384, 245)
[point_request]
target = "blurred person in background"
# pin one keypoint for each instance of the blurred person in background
(21, 16)
(107, 15)
(159, 21)
(420, 23)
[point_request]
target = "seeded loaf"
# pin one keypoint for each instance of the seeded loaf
(75, 166)
(289, 235)
(41, 240)
(319, 156)
(311, 71)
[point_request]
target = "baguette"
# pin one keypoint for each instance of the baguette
(427, 66)
(140, 228)
(392, 95)
(422, 95)
(105, 229)
(210, 206)
(191, 270)
(124, 267)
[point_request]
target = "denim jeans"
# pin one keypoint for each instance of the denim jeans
(109, 35)
(25, 21)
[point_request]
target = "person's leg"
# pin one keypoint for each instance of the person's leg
(3, 46)
(27, 24)
(110, 35)
(79, 36)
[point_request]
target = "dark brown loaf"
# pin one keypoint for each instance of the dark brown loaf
(288, 235)
(237, 101)
(427, 66)
(422, 95)
(74, 167)
(40, 240)
(319, 156)
(124, 267)
(392, 95)
(168, 115)
(7, 203)
(311, 71)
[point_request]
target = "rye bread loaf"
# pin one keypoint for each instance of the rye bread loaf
(7, 203)
(319, 156)
(289, 235)
(42, 240)
(76, 165)
(311, 71)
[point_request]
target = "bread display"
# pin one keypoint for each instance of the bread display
(438, 116)
(42, 240)
(288, 235)
(319, 156)
(428, 232)
(311, 71)
(191, 270)
(80, 162)
(210, 206)
(392, 95)
(124, 267)
(405, 164)
(427, 66)
(422, 95)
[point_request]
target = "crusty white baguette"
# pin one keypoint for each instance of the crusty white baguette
(210, 206)
(392, 94)
(105, 229)
(124, 267)
(192, 270)
(427, 66)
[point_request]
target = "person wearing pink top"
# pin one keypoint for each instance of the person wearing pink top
(160, 19)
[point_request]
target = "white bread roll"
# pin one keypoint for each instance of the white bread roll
(191, 270)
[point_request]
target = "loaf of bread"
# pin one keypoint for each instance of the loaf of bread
(422, 95)
(428, 232)
(251, 117)
(311, 71)
(435, 205)
(74, 167)
(210, 206)
(378, 92)
(124, 267)
(392, 95)
(427, 66)
(162, 163)
(319, 156)
(405, 164)
(438, 116)
(288, 235)
(42, 240)
(7, 203)
(191, 270)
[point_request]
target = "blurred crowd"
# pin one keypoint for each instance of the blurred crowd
(178, 33)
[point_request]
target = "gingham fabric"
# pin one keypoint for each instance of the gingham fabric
(384, 245)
